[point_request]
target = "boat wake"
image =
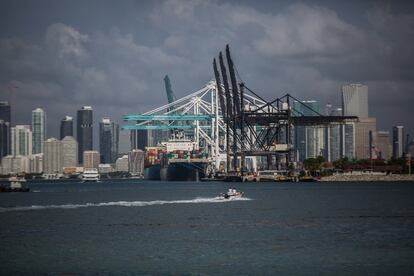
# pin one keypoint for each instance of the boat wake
(120, 203)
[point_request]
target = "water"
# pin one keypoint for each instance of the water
(138, 227)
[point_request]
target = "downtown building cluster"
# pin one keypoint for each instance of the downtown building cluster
(26, 148)
(353, 140)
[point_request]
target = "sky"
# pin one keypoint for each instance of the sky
(113, 55)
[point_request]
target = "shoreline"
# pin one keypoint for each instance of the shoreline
(383, 178)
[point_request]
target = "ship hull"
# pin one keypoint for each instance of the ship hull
(183, 171)
(152, 172)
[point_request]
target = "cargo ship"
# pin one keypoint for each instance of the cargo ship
(175, 160)
(152, 163)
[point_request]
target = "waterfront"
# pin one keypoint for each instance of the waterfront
(142, 227)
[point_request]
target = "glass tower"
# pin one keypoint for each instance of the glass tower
(38, 129)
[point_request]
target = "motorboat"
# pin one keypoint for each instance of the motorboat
(90, 175)
(231, 194)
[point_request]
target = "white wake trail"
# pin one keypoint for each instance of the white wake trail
(120, 203)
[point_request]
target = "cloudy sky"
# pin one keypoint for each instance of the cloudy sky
(113, 55)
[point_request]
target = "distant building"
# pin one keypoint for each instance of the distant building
(4, 138)
(121, 164)
(36, 163)
(355, 100)
(91, 159)
(15, 164)
(309, 141)
(139, 139)
(52, 162)
(69, 152)
(5, 129)
(362, 138)
(21, 140)
(398, 142)
(136, 162)
(105, 168)
(108, 141)
(66, 127)
(84, 131)
(333, 137)
(348, 140)
(38, 129)
(382, 146)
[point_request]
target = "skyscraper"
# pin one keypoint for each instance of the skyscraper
(38, 129)
(382, 145)
(21, 140)
(355, 103)
(108, 141)
(139, 139)
(84, 131)
(5, 125)
(398, 142)
(52, 158)
(69, 152)
(4, 138)
(355, 100)
(362, 137)
(5, 113)
(309, 141)
(66, 127)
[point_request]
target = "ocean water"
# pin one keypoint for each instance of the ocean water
(157, 228)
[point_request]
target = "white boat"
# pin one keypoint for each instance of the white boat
(90, 175)
(16, 184)
(231, 194)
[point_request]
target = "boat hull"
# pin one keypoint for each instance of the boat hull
(191, 171)
(152, 172)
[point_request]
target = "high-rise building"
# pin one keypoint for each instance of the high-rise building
(84, 131)
(355, 100)
(309, 141)
(108, 141)
(91, 159)
(333, 138)
(347, 132)
(38, 129)
(5, 111)
(69, 152)
(21, 140)
(362, 137)
(4, 138)
(382, 148)
(139, 139)
(5, 129)
(52, 158)
(66, 127)
(398, 142)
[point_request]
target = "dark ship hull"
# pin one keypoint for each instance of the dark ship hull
(152, 172)
(183, 171)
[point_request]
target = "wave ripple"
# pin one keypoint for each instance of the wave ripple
(120, 203)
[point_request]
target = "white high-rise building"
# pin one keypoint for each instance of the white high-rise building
(21, 140)
(52, 162)
(355, 100)
(136, 162)
(121, 164)
(69, 152)
(39, 129)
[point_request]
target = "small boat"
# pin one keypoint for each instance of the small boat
(16, 184)
(231, 194)
(90, 175)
